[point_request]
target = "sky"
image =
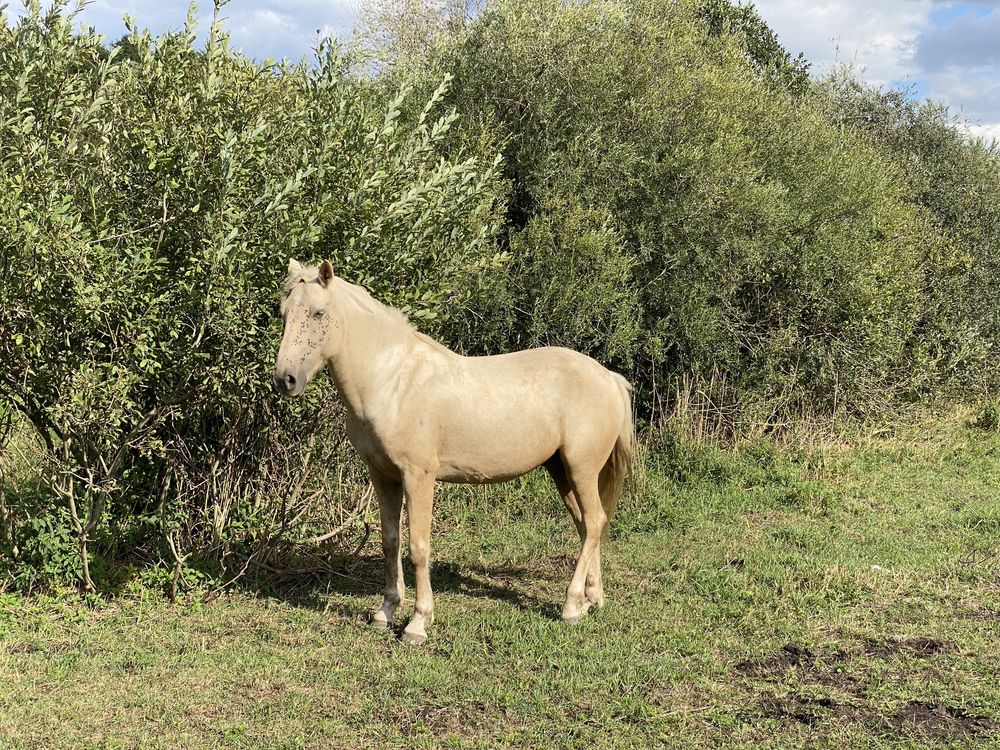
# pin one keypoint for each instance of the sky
(948, 51)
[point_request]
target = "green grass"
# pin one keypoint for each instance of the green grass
(838, 596)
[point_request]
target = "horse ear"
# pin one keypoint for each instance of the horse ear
(294, 266)
(325, 272)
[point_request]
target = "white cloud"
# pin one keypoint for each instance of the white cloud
(988, 132)
(106, 16)
(970, 39)
(973, 92)
(262, 28)
(879, 37)
(952, 54)
(960, 60)
(287, 29)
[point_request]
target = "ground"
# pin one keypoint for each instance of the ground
(842, 594)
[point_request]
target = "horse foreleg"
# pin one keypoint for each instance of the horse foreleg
(419, 505)
(390, 507)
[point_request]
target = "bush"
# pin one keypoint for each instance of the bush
(759, 245)
(153, 196)
(956, 182)
(567, 283)
(673, 195)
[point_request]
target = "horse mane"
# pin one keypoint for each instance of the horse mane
(359, 295)
(432, 342)
(367, 302)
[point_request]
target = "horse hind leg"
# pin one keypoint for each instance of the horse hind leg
(558, 473)
(610, 484)
(593, 589)
(609, 488)
(583, 481)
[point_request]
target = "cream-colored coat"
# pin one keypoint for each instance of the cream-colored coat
(418, 413)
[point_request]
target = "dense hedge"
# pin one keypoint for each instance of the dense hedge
(152, 196)
(656, 183)
(764, 241)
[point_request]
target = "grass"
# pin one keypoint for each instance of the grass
(844, 595)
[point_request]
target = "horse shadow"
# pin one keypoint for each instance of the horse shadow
(363, 576)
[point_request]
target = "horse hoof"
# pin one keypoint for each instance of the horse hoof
(380, 623)
(571, 620)
(414, 639)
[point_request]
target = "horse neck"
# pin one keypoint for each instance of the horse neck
(374, 348)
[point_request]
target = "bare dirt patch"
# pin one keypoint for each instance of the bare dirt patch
(826, 665)
(794, 658)
(787, 657)
(810, 711)
(920, 645)
(844, 671)
(932, 720)
(940, 720)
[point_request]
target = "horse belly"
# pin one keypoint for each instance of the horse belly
(495, 445)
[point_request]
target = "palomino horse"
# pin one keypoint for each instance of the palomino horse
(418, 412)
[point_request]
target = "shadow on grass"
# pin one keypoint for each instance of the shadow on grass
(362, 576)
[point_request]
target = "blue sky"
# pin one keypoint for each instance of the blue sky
(949, 51)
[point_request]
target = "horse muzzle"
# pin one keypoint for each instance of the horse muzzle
(288, 383)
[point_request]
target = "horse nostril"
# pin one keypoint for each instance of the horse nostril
(289, 381)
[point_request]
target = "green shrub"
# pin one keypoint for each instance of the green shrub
(656, 183)
(760, 244)
(956, 182)
(567, 283)
(153, 195)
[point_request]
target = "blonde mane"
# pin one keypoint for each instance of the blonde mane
(358, 295)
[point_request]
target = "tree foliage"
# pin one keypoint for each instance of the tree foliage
(763, 241)
(152, 200)
(657, 183)
(956, 181)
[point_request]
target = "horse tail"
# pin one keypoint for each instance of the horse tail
(619, 463)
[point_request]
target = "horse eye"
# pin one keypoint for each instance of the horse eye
(319, 314)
